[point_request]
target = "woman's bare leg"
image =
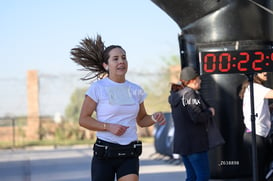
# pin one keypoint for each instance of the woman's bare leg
(130, 177)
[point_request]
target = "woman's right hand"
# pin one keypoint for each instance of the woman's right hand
(212, 110)
(116, 129)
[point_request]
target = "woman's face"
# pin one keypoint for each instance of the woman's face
(117, 63)
(195, 84)
(262, 76)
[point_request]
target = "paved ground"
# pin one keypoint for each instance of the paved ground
(73, 164)
(159, 168)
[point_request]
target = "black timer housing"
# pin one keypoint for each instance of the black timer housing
(225, 39)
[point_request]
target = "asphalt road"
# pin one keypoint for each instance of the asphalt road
(73, 164)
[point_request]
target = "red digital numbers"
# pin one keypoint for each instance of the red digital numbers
(237, 61)
(224, 62)
(210, 62)
(243, 61)
(213, 61)
(256, 61)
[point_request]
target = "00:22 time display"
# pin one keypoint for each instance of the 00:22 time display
(239, 61)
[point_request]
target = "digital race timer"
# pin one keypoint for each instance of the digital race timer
(236, 61)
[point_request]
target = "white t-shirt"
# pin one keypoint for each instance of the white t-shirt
(117, 103)
(262, 121)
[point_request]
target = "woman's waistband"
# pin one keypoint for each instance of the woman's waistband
(114, 145)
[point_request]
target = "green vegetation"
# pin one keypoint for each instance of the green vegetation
(55, 143)
(72, 111)
(158, 89)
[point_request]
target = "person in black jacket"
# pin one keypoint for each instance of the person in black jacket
(191, 115)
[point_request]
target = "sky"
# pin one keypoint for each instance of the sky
(39, 34)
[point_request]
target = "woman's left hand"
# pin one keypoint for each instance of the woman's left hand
(159, 118)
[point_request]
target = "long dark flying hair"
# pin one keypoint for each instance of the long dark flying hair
(91, 54)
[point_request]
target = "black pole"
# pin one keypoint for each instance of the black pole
(253, 128)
